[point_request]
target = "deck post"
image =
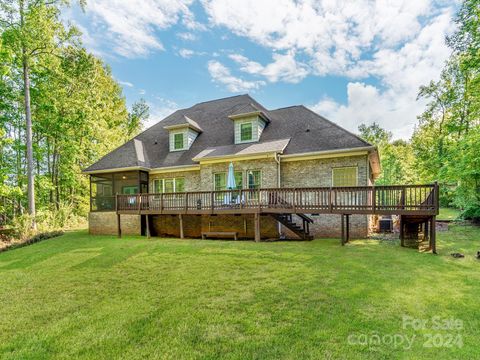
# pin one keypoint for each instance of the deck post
(148, 225)
(257, 226)
(343, 229)
(374, 200)
(347, 228)
(425, 230)
(402, 231)
(180, 218)
(119, 228)
(433, 240)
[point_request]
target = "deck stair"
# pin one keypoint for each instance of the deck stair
(302, 231)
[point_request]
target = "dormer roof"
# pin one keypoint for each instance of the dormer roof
(188, 123)
(247, 111)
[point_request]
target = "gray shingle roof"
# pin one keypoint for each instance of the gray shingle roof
(307, 131)
(243, 149)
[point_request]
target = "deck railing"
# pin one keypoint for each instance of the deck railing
(401, 199)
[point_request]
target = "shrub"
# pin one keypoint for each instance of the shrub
(47, 221)
(472, 212)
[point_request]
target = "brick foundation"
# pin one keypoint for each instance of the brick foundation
(193, 225)
(105, 223)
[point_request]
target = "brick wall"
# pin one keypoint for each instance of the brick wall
(192, 179)
(312, 173)
(268, 166)
(105, 223)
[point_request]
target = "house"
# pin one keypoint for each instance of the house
(191, 152)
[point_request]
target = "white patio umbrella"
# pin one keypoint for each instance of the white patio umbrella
(231, 185)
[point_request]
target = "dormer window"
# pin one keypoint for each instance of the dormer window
(183, 134)
(246, 132)
(178, 141)
(248, 126)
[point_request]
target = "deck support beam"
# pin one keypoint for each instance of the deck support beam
(402, 231)
(348, 228)
(257, 226)
(433, 240)
(345, 223)
(147, 224)
(119, 227)
(342, 241)
(180, 218)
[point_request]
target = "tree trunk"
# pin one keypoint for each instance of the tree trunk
(28, 120)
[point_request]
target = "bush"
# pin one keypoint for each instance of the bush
(472, 212)
(47, 221)
(36, 238)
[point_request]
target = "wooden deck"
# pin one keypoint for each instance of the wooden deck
(417, 205)
(383, 200)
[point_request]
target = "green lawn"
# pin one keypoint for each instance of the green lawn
(101, 297)
(448, 214)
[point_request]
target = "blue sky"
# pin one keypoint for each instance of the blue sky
(354, 62)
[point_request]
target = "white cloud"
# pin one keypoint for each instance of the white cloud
(283, 68)
(125, 83)
(188, 53)
(131, 25)
(401, 72)
(187, 36)
(338, 32)
(396, 45)
(222, 75)
(159, 110)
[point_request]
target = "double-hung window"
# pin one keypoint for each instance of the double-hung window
(178, 141)
(246, 131)
(170, 185)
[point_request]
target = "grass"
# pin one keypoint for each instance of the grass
(100, 297)
(448, 214)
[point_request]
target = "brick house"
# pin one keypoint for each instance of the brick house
(191, 150)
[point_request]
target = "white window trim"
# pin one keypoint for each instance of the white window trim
(346, 167)
(239, 122)
(244, 177)
(168, 178)
(240, 141)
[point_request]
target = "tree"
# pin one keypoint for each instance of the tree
(32, 29)
(396, 156)
(78, 111)
(447, 139)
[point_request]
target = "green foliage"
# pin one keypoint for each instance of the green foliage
(445, 145)
(47, 220)
(78, 111)
(447, 141)
(396, 156)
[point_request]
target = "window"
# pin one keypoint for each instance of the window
(220, 181)
(345, 176)
(254, 179)
(170, 185)
(130, 190)
(246, 131)
(178, 141)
